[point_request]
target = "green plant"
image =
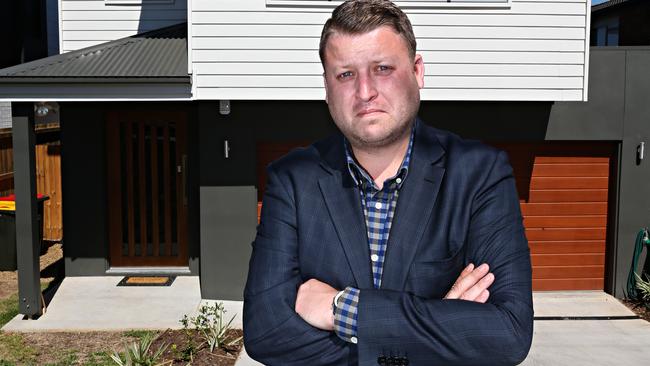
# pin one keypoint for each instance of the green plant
(184, 354)
(139, 354)
(210, 326)
(644, 289)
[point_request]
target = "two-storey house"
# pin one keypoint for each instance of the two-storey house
(170, 110)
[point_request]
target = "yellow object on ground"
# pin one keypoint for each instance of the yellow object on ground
(7, 206)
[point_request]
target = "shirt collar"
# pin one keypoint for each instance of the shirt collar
(361, 176)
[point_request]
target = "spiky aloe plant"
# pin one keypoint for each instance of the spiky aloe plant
(138, 354)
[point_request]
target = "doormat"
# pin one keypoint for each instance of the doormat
(147, 281)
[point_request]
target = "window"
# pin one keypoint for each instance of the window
(606, 33)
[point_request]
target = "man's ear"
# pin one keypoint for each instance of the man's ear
(326, 92)
(418, 69)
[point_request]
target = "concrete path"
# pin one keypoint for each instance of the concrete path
(96, 303)
(586, 342)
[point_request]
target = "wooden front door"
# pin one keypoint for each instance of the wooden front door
(147, 188)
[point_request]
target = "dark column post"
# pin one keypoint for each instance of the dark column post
(27, 230)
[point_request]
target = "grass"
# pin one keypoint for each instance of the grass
(140, 334)
(13, 350)
(102, 358)
(8, 309)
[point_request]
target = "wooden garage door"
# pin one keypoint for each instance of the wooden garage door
(563, 191)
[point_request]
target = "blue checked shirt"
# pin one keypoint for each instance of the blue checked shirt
(378, 209)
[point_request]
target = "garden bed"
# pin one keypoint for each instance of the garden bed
(178, 347)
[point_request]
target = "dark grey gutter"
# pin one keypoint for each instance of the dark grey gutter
(93, 80)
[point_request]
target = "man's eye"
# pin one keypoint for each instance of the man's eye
(383, 69)
(345, 75)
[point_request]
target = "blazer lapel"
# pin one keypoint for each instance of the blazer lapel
(414, 206)
(344, 207)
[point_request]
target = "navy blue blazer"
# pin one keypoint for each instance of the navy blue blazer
(458, 205)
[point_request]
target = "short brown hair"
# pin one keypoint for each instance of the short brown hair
(362, 16)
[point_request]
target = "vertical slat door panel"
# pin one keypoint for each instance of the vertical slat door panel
(130, 199)
(167, 176)
(154, 190)
(152, 231)
(142, 196)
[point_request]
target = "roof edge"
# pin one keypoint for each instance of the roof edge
(92, 80)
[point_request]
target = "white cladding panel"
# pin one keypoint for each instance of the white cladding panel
(527, 50)
(87, 23)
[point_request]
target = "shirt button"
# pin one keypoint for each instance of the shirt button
(354, 340)
(398, 180)
(378, 205)
(374, 257)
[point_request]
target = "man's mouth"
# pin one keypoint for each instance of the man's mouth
(368, 111)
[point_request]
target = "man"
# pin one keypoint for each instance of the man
(392, 244)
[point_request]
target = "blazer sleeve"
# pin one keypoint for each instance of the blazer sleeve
(274, 333)
(458, 332)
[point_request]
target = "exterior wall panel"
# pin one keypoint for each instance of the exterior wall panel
(529, 50)
(86, 23)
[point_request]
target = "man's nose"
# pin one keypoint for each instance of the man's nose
(366, 88)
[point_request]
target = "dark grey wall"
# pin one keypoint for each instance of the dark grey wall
(228, 220)
(83, 180)
(248, 123)
(634, 192)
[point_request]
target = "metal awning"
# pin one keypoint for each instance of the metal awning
(147, 66)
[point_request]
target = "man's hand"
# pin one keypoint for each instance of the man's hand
(314, 304)
(472, 284)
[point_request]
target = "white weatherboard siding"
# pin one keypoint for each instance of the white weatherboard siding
(527, 50)
(86, 23)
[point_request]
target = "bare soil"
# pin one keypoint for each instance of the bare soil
(179, 346)
(640, 309)
(51, 347)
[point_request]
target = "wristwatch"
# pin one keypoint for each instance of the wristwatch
(336, 301)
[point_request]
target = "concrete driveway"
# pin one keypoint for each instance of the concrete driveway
(586, 328)
(571, 328)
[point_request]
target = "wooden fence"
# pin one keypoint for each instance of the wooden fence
(48, 180)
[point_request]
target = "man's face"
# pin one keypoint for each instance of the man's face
(372, 86)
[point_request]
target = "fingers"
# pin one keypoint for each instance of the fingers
(483, 297)
(456, 291)
(472, 284)
(479, 288)
(466, 271)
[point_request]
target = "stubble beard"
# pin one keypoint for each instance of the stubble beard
(399, 132)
